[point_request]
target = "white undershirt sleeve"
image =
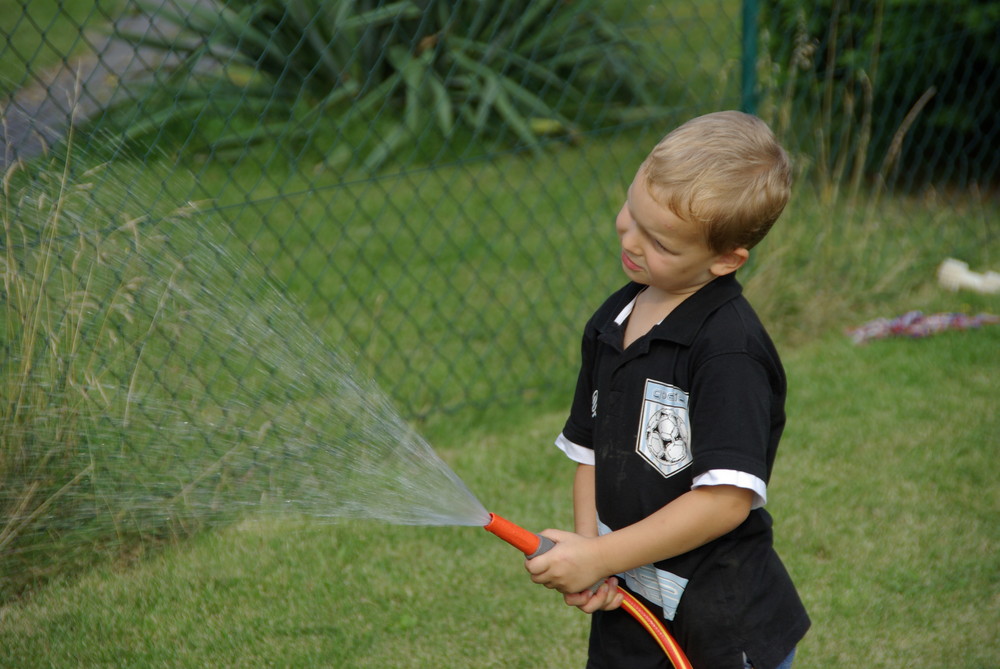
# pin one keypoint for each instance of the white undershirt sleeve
(734, 478)
(575, 452)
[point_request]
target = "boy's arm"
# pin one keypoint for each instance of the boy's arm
(692, 520)
(607, 596)
(584, 501)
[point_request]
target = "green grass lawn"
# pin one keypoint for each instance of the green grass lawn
(884, 497)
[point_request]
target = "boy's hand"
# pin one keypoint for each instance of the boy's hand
(572, 566)
(605, 598)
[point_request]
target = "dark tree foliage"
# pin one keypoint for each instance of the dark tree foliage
(922, 75)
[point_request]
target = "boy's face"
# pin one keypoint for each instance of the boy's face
(663, 251)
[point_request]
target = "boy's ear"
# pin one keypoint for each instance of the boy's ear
(727, 263)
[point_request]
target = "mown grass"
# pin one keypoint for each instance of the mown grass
(884, 508)
(889, 451)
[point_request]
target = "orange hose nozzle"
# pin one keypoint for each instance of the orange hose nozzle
(527, 542)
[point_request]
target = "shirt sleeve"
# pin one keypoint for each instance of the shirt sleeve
(730, 477)
(575, 452)
(737, 387)
(579, 427)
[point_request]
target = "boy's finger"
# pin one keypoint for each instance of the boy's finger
(598, 600)
(536, 565)
(577, 598)
(615, 600)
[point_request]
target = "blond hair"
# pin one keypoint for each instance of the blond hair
(725, 172)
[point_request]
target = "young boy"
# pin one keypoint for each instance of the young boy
(676, 418)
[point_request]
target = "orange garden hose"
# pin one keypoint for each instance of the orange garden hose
(532, 545)
(656, 628)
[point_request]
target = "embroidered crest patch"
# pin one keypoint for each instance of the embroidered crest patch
(665, 431)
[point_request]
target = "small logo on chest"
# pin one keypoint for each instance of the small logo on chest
(664, 438)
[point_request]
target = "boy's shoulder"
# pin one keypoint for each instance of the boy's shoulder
(718, 305)
(731, 325)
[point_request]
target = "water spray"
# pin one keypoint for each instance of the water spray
(533, 545)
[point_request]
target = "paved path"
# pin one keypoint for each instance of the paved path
(39, 115)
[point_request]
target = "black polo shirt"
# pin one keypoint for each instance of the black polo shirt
(703, 390)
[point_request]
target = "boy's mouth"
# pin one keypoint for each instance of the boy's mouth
(629, 265)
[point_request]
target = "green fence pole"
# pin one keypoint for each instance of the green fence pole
(748, 75)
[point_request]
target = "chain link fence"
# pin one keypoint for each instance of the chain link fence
(386, 195)
(382, 160)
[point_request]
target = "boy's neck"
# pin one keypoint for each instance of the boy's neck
(651, 307)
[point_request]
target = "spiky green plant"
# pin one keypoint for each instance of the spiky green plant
(407, 69)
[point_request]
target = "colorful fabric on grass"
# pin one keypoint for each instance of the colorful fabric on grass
(918, 324)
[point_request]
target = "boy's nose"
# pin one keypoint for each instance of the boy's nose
(622, 222)
(626, 232)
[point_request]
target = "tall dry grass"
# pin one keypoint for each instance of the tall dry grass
(82, 316)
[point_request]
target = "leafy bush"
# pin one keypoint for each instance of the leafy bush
(907, 82)
(520, 68)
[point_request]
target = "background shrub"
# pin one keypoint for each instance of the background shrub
(912, 83)
(383, 73)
